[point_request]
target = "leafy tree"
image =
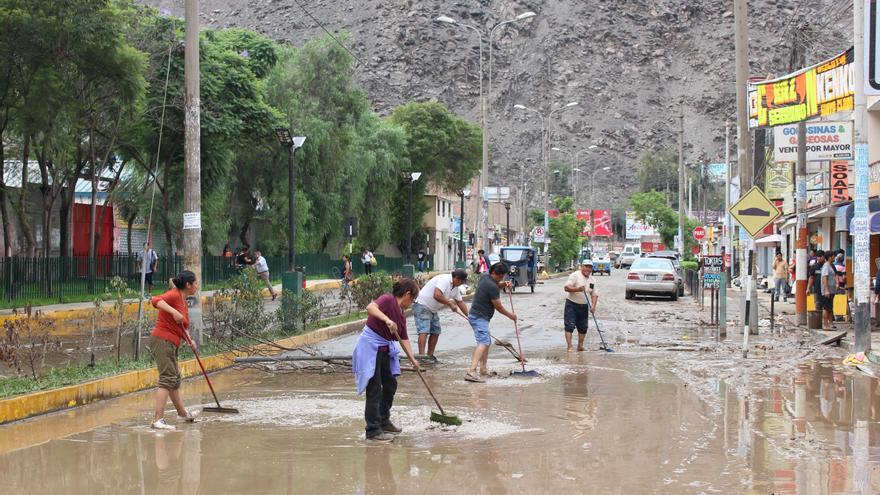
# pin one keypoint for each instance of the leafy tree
(659, 172)
(565, 232)
(652, 208)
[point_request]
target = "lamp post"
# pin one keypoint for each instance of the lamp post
(507, 207)
(462, 194)
(593, 181)
(409, 178)
(292, 144)
(545, 142)
(482, 213)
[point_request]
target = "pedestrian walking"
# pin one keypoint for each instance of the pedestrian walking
(441, 291)
(262, 268)
(375, 360)
(487, 300)
(151, 268)
(579, 286)
(421, 260)
(346, 270)
(172, 321)
(368, 259)
(829, 289)
(780, 278)
(482, 262)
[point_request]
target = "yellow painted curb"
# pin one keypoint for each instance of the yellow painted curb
(25, 406)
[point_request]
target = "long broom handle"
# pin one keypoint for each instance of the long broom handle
(497, 342)
(516, 329)
(431, 392)
(202, 366)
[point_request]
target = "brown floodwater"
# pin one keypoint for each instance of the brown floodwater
(594, 422)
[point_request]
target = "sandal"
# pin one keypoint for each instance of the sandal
(470, 377)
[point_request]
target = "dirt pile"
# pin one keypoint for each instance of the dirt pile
(628, 62)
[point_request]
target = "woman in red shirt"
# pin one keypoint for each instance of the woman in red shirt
(172, 322)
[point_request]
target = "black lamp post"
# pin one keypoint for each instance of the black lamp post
(461, 194)
(409, 178)
(291, 143)
(507, 207)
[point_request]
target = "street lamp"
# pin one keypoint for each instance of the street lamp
(593, 181)
(409, 178)
(575, 168)
(546, 143)
(292, 144)
(482, 213)
(463, 194)
(507, 207)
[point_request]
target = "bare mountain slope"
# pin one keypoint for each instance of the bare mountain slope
(629, 63)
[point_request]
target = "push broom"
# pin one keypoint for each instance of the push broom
(219, 408)
(522, 361)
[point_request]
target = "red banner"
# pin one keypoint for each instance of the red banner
(588, 225)
(840, 182)
(602, 223)
(552, 213)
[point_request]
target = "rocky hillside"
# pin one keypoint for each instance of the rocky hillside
(630, 64)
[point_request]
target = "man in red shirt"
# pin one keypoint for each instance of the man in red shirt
(172, 322)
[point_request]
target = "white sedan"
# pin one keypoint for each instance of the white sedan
(652, 276)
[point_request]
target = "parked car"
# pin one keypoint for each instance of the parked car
(653, 276)
(631, 252)
(671, 256)
(601, 263)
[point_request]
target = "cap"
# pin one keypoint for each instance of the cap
(587, 263)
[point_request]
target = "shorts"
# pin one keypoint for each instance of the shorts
(148, 278)
(481, 330)
(826, 303)
(577, 316)
(165, 354)
(427, 321)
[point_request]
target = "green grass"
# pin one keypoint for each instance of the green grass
(80, 373)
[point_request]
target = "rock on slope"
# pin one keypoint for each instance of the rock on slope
(629, 63)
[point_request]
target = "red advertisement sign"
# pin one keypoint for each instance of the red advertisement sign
(840, 182)
(552, 213)
(602, 223)
(588, 226)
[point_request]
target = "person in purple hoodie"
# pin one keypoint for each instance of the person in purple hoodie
(375, 360)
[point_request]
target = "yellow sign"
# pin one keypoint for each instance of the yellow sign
(754, 211)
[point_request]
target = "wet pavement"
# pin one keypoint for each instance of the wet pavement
(673, 410)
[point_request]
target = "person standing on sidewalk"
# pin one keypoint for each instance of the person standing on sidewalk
(367, 259)
(579, 286)
(829, 289)
(346, 270)
(486, 301)
(262, 268)
(375, 361)
(780, 278)
(172, 322)
(152, 267)
(442, 290)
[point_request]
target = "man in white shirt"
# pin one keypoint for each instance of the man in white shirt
(579, 286)
(442, 290)
(262, 268)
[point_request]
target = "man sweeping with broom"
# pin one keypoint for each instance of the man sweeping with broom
(579, 286)
(375, 360)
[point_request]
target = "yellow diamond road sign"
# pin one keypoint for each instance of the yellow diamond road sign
(754, 211)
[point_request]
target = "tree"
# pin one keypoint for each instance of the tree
(652, 208)
(565, 230)
(659, 172)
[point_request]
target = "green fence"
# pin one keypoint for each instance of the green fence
(52, 280)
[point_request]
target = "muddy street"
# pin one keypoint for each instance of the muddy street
(673, 410)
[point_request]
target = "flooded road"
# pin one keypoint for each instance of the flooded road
(671, 411)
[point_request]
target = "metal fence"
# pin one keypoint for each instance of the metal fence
(57, 280)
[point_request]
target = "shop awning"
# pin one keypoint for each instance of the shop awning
(845, 214)
(873, 223)
(767, 240)
(827, 212)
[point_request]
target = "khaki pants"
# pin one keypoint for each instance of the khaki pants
(265, 277)
(165, 354)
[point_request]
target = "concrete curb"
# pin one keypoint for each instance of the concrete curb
(36, 403)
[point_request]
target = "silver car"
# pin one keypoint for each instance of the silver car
(654, 276)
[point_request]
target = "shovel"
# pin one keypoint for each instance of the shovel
(219, 408)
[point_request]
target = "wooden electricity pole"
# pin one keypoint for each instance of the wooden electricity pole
(192, 193)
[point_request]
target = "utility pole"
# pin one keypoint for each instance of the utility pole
(192, 192)
(798, 60)
(681, 183)
(744, 143)
(861, 238)
(725, 240)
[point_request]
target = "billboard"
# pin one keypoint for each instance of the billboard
(817, 91)
(778, 180)
(635, 228)
(717, 171)
(588, 225)
(602, 223)
(825, 141)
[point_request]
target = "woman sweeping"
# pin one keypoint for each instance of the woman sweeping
(375, 362)
(171, 323)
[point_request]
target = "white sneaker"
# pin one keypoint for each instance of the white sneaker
(191, 415)
(161, 425)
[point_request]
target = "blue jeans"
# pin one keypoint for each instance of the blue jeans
(780, 289)
(481, 330)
